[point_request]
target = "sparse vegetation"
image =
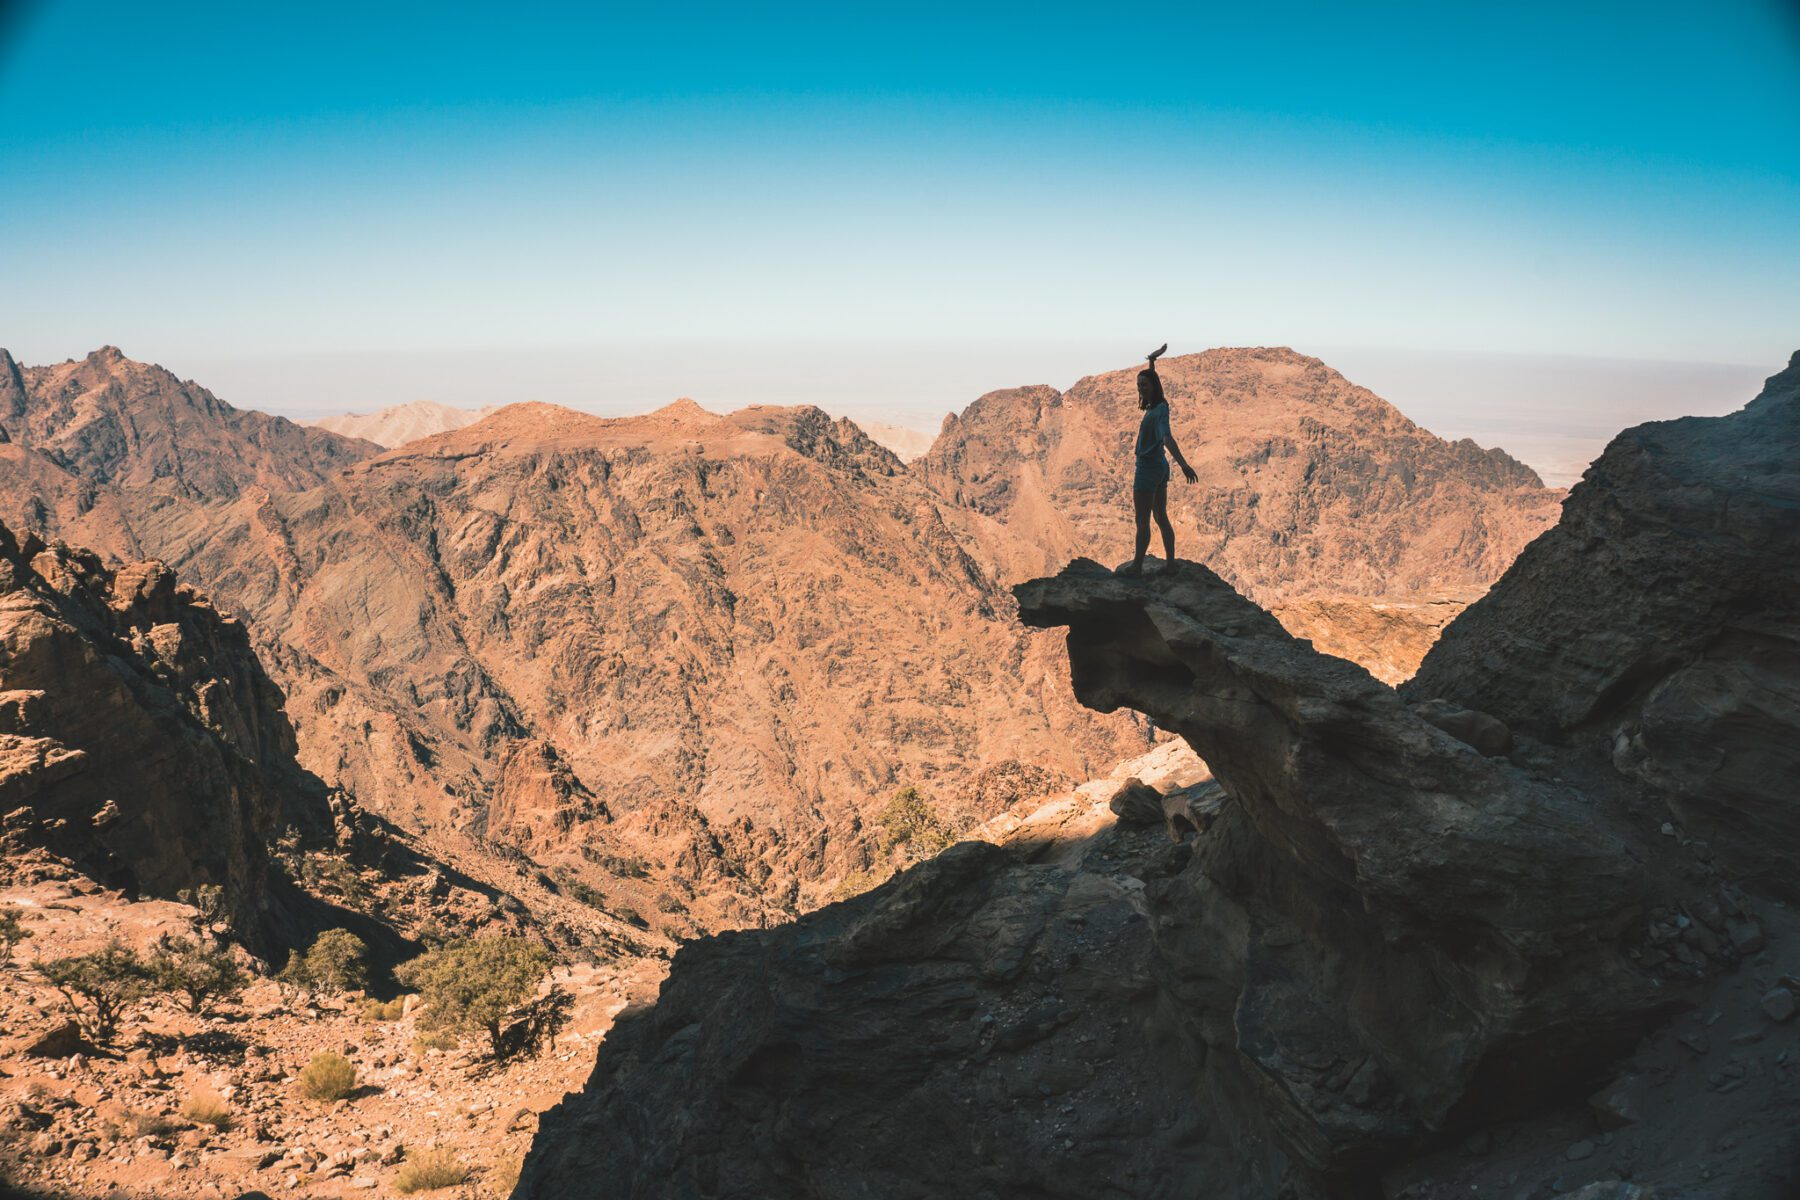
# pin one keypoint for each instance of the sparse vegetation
(100, 987)
(382, 1010)
(503, 1176)
(579, 889)
(12, 932)
(911, 831)
(337, 961)
(911, 827)
(132, 1124)
(328, 1077)
(205, 1108)
(208, 901)
(430, 1170)
(487, 985)
(435, 1039)
(334, 875)
(201, 974)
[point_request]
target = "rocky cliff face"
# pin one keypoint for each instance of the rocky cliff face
(139, 736)
(1657, 625)
(1308, 484)
(1407, 923)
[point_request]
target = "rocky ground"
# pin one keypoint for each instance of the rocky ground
(79, 1123)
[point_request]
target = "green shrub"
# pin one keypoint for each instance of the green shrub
(99, 987)
(328, 1077)
(428, 1171)
(335, 875)
(912, 830)
(204, 1108)
(202, 974)
(337, 961)
(487, 985)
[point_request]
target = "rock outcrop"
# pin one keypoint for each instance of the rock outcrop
(1400, 931)
(139, 736)
(1308, 485)
(1658, 625)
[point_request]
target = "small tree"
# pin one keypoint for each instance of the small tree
(202, 974)
(486, 985)
(12, 932)
(337, 961)
(912, 828)
(208, 901)
(99, 987)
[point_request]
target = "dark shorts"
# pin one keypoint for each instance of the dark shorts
(1152, 473)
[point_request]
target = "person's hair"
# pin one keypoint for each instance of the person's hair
(1150, 390)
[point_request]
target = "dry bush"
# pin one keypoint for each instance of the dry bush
(428, 1171)
(205, 1108)
(132, 1124)
(380, 1010)
(436, 1039)
(328, 1077)
(503, 1177)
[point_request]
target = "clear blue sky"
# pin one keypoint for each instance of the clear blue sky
(201, 181)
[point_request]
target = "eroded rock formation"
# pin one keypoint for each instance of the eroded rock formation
(139, 735)
(1400, 928)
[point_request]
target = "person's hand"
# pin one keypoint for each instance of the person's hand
(1158, 353)
(1189, 472)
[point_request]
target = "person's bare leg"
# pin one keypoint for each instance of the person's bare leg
(1161, 509)
(1140, 502)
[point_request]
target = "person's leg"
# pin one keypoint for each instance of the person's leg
(1160, 506)
(1141, 500)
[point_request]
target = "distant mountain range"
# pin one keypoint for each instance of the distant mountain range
(687, 657)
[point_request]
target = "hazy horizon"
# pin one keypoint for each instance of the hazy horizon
(1553, 412)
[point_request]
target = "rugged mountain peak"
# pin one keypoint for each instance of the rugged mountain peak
(1308, 483)
(108, 419)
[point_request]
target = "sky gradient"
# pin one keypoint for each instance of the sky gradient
(205, 184)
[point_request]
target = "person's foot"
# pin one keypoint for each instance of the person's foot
(1136, 568)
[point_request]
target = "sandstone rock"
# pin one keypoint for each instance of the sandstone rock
(1778, 1004)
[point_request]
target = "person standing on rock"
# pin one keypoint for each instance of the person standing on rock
(1150, 484)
